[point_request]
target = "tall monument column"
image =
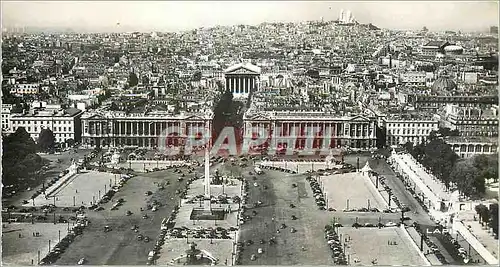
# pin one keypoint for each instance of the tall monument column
(207, 207)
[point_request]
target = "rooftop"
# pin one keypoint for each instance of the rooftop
(70, 112)
(472, 139)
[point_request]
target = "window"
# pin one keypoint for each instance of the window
(65, 129)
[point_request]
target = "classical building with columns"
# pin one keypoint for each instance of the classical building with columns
(355, 131)
(242, 78)
(117, 129)
(470, 146)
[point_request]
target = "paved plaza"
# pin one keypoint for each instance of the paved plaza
(368, 244)
(83, 188)
(359, 194)
(24, 250)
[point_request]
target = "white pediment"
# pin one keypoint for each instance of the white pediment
(360, 118)
(258, 116)
(96, 117)
(195, 118)
(243, 69)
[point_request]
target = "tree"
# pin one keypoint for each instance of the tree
(33, 162)
(439, 158)
(46, 139)
(71, 142)
(408, 146)
(133, 80)
(19, 158)
(381, 136)
(481, 210)
(222, 112)
(494, 218)
(463, 175)
(487, 166)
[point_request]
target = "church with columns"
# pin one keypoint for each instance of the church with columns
(241, 79)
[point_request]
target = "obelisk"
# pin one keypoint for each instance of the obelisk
(207, 207)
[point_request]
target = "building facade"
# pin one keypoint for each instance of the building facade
(64, 123)
(431, 102)
(470, 146)
(414, 78)
(285, 129)
(25, 88)
(401, 131)
(6, 113)
(473, 121)
(432, 48)
(117, 129)
(241, 79)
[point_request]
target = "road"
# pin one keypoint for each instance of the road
(309, 224)
(421, 216)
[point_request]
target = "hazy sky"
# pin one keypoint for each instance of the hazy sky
(170, 15)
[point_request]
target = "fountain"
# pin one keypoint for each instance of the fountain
(195, 256)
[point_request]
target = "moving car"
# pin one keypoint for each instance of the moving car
(81, 261)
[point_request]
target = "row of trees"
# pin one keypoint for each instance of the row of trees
(468, 175)
(436, 155)
(20, 160)
(488, 216)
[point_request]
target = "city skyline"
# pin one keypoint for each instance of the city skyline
(106, 16)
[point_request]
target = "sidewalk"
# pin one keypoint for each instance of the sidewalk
(415, 236)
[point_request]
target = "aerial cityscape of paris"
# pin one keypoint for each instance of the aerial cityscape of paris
(250, 133)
